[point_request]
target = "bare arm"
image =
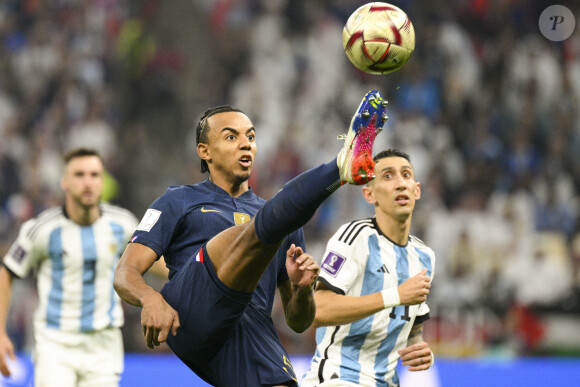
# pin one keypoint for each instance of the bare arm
(417, 355)
(296, 293)
(129, 282)
(157, 317)
(416, 334)
(6, 347)
(336, 309)
(159, 269)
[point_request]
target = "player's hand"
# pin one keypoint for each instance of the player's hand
(415, 290)
(418, 357)
(157, 320)
(302, 268)
(6, 351)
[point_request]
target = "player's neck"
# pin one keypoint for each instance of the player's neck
(232, 187)
(397, 230)
(82, 215)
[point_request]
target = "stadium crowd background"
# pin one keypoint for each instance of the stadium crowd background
(487, 108)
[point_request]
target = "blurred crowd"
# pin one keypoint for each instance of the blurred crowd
(487, 108)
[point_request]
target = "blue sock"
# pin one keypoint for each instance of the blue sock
(294, 205)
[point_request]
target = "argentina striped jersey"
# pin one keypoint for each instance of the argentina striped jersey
(74, 266)
(360, 260)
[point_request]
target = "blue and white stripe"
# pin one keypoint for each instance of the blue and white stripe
(365, 352)
(75, 267)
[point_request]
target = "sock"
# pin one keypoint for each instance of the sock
(294, 205)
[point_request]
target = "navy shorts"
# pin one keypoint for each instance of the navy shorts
(224, 338)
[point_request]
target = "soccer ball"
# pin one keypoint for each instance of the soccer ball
(378, 38)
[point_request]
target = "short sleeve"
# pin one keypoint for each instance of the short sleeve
(160, 221)
(423, 310)
(342, 262)
(21, 257)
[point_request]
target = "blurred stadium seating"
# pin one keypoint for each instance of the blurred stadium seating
(486, 107)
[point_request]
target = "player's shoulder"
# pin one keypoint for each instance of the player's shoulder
(180, 190)
(48, 213)
(178, 195)
(350, 232)
(258, 199)
(43, 221)
(117, 212)
(184, 191)
(420, 245)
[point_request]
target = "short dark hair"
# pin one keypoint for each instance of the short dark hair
(391, 153)
(203, 127)
(80, 152)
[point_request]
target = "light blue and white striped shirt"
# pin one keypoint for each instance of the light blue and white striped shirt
(74, 266)
(360, 260)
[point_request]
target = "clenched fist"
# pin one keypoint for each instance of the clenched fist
(415, 290)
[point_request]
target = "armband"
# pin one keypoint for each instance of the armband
(391, 297)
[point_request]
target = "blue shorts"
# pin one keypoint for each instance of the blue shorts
(224, 338)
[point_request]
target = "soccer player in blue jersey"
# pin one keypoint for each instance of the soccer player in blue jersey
(228, 250)
(73, 250)
(373, 284)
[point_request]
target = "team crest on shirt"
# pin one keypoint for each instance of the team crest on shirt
(332, 263)
(241, 218)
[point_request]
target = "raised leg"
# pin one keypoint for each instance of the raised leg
(241, 254)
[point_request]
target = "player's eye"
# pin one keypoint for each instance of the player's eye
(251, 137)
(230, 137)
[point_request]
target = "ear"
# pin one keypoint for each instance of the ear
(203, 151)
(369, 195)
(418, 191)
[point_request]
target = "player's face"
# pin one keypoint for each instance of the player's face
(83, 180)
(231, 148)
(394, 191)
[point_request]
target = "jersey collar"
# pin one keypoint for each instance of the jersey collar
(214, 187)
(376, 226)
(66, 215)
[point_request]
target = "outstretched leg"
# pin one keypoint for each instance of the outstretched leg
(241, 254)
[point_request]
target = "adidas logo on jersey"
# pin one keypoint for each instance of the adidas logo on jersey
(383, 269)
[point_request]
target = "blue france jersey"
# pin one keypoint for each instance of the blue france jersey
(74, 266)
(360, 260)
(185, 217)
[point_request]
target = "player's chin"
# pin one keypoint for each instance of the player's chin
(403, 211)
(89, 201)
(244, 175)
(407, 208)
